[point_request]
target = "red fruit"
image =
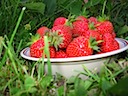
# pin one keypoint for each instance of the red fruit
(99, 52)
(37, 49)
(59, 21)
(113, 34)
(82, 18)
(109, 43)
(64, 35)
(93, 33)
(93, 20)
(105, 27)
(61, 54)
(79, 47)
(52, 52)
(42, 31)
(79, 27)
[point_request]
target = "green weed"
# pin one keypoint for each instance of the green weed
(19, 77)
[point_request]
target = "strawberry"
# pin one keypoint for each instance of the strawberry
(52, 51)
(104, 24)
(61, 54)
(92, 32)
(109, 43)
(105, 27)
(79, 27)
(36, 49)
(59, 21)
(42, 30)
(62, 36)
(93, 20)
(80, 46)
(113, 34)
(82, 18)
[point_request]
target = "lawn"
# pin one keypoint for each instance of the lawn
(20, 77)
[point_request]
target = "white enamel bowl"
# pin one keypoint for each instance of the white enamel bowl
(70, 66)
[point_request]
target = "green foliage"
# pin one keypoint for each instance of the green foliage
(19, 77)
(91, 3)
(50, 6)
(29, 84)
(75, 7)
(80, 88)
(37, 7)
(1, 45)
(120, 88)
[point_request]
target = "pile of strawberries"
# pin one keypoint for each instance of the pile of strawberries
(73, 38)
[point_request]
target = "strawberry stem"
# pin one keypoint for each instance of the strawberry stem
(103, 17)
(104, 8)
(85, 13)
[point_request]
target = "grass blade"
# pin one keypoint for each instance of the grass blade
(17, 25)
(46, 48)
(13, 34)
(1, 45)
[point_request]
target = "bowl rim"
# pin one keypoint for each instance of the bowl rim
(25, 55)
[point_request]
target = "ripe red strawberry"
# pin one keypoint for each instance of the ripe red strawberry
(42, 30)
(93, 20)
(82, 18)
(37, 49)
(79, 27)
(80, 46)
(52, 51)
(113, 34)
(59, 21)
(62, 36)
(61, 54)
(93, 33)
(105, 27)
(109, 43)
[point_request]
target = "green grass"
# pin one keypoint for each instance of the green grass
(20, 77)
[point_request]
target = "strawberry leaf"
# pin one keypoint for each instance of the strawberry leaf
(75, 7)
(120, 88)
(37, 7)
(90, 3)
(93, 44)
(50, 6)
